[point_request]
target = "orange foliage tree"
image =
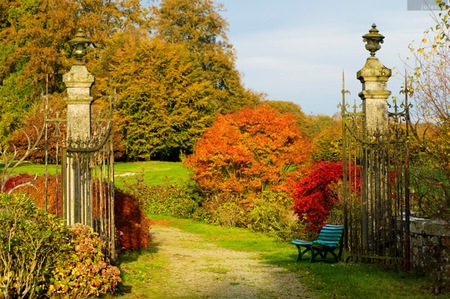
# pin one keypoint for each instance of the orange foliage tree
(249, 151)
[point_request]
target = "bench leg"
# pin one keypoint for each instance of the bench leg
(323, 252)
(302, 252)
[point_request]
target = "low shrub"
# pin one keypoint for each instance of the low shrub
(314, 195)
(223, 208)
(84, 271)
(31, 241)
(40, 256)
(272, 212)
(168, 198)
(132, 223)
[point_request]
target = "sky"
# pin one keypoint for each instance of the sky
(297, 50)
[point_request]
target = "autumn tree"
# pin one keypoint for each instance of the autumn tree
(198, 26)
(429, 87)
(164, 103)
(34, 52)
(303, 121)
(249, 151)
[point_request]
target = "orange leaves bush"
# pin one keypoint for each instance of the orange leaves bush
(251, 150)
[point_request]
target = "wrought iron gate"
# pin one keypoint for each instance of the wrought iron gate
(90, 179)
(376, 187)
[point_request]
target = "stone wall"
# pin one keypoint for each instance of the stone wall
(430, 248)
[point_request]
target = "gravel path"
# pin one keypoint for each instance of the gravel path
(198, 269)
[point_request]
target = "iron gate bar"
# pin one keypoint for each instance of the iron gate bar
(377, 219)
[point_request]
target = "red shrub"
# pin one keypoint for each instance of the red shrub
(313, 197)
(131, 222)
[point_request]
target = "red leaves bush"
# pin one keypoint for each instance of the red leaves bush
(132, 225)
(313, 196)
(131, 222)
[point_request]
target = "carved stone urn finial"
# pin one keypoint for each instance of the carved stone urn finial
(373, 39)
(79, 44)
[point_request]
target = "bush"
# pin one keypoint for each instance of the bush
(314, 196)
(249, 151)
(84, 271)
(273, 213)
(31, 241)
(132, 223)
(39, 256)
(223, 208)
(168, 199)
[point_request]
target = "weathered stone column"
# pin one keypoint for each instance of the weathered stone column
(374, 76)
(374, 166)
(78, 82)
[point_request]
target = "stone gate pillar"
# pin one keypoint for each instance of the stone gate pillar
(78, 82)
(374, 76)
(374, 166)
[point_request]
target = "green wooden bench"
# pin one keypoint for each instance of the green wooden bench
(328, 241)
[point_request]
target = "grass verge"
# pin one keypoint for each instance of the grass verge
(325, 280)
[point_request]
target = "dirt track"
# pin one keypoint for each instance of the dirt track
(199, 269)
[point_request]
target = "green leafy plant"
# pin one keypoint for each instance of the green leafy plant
(31, 240)
(272, 213)
(169, 198)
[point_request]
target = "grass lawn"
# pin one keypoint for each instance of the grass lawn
(325, 280)
(154, 172)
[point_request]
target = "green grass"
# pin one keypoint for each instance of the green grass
(324, 280)
(31, 168)
(154, 172)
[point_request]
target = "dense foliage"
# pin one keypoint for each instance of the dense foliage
(31, 241)
(34, 49)
(198, 26)
(40, 256)
(170, 64)
(314, 196)
(132, 224)
(84, 271)
(164, 107)
(249, 151)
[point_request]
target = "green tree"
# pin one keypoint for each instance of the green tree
(164, 103)
(327, 145)
(199, 26)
